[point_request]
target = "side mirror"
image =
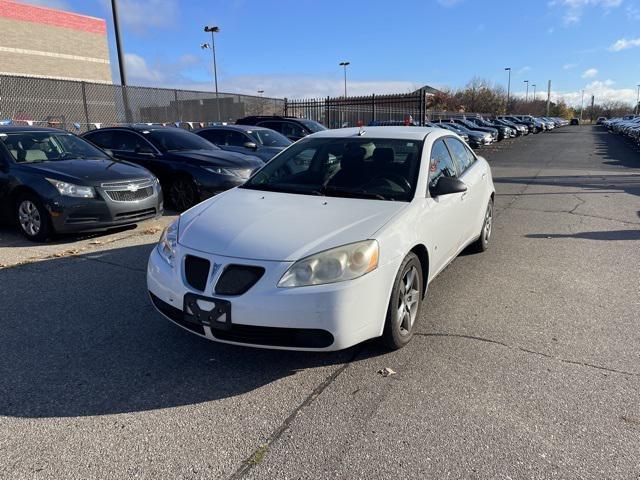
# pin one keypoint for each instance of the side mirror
(447, 186)
(251, 145)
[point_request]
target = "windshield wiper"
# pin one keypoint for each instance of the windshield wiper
(282, 189)
(351, 193)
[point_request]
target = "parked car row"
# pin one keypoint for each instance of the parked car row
(628, 126)
(479, 131)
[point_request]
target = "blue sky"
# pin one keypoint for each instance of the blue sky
(293, 47)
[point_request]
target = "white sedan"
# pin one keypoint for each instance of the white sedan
(331, 243)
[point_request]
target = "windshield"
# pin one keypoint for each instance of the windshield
(28, 147)
(313, 126)
(269, 138)
(176, 139)
(376, 168)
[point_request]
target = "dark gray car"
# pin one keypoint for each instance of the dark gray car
(262, 142)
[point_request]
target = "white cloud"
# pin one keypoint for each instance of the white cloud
(574, 9)
(522, 71)
(623, 44)
(449, 3)
(602, 91)
(590, 73)
(139, 71)
(633, 13)
(569, 66)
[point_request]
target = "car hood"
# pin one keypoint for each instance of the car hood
(90, 172)
(260, 225)
(218, 158)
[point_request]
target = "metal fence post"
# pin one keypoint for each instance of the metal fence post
(328, 112)
(373, 107)
(84, 103)
(286, 107)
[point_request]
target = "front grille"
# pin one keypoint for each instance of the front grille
(129, 195)
(238, 279)
(136, 215)
(196, 271)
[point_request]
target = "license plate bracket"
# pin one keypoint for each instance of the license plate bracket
(195, 312)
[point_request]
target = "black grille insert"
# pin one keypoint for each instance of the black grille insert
(196, 271)
(238, 279)
(130, 196)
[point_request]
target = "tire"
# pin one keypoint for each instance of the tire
(183, 194)
(33, 219)
(482, 243)
(404, 304)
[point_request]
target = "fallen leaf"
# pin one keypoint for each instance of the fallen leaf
(386, 371)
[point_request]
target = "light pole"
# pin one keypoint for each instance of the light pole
(260, 92)
(534, 92)
(213, 31)
(581, 105)
(121, 66)
(508, 69)
(526, 98)
(344, 64)
(638, 100)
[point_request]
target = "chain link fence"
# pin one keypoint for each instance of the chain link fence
(81, 106)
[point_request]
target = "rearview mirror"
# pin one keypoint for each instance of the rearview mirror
(447, 186)
(251, 145)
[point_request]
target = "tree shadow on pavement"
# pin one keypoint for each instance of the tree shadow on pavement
(80, 337)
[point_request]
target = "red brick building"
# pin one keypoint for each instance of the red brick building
(48, 43)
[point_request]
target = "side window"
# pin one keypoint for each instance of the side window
(277, 126)
(100, 138)
(236, 139)
(216, 137)
(441, 164)
(129, 142)
(292, 130)
(461, 153)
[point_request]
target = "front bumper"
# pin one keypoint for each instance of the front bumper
(69, 214)
(315, 318)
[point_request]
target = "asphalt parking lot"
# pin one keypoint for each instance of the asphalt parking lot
(526, 365)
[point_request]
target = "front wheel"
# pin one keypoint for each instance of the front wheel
(183, 194)
(404, 304)
(33, 218)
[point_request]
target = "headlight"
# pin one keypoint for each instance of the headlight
(71, 190)
(335, 265)
(168, 242)
(243, 173)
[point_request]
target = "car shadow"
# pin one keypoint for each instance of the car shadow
(10, 235)
(80, 337)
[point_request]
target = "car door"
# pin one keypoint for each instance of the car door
(473, 173)
(235, 142)
(132, 147)
(445, 225)
(5, 184)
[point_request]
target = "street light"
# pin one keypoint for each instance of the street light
(204, 46)
(534, 92)
(526, 98)
(581, 105)
(344, 64)
(508, 69)
(260, 92)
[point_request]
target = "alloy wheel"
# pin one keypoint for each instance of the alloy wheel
(182, 194)
(488, 221)
(29, 217)
(408, 298)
